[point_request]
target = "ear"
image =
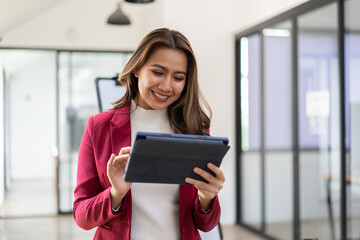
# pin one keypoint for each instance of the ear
(136, 73)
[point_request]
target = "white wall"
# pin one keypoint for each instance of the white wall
(210, 26)
(32, 110)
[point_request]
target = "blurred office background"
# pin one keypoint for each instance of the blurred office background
(281, 76)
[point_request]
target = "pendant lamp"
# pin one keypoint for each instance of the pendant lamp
(139, 1)
(118, 17)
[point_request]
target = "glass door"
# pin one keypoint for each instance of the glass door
(319, 123)
(352, 107)
(251, 183)
(29, 126)
(278, 154)
(77, 101)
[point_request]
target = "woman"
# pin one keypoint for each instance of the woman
(162, 95)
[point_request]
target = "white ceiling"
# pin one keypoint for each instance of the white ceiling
(15, 12)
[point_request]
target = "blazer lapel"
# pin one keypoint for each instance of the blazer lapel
(120, 129)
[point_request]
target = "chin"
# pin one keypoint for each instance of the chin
(160, 106)
(157, 107)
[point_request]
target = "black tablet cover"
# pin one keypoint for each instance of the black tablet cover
(170, 158)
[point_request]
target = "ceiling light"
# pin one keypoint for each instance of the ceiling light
(118, 17)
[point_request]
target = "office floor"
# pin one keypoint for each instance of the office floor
(26, 215)
(30, 198)
(63, 228)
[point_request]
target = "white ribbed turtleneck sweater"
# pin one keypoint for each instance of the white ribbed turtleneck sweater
(155, 207)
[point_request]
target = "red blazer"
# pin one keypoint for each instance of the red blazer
(107, 133)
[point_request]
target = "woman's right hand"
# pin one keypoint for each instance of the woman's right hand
(115, 172)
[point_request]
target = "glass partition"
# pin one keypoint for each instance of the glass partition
(352, 85)
(77, 102)
(278, 130)
(35, 121)
(2, 134)
(251, 130)
(251, 83)
(308, 173)
(319, 123)
(278, 87)
(29, 123)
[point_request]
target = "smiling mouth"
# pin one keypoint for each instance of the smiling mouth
(160, 96)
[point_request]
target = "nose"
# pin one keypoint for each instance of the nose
(165, 84)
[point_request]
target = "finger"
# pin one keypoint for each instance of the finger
(111, 160)
(213, 182)
(121, 160)
(218, 172)
(197, 183)
(206, 175)
(200, 185)
(205, 188)
(124, 150)
(110, 163)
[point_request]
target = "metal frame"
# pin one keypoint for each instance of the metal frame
(291, 15)
(295, 133)
(238, 131)
(262, 126)
(341, 52)
(57, 50)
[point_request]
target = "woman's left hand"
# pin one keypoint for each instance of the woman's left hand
(207, 191)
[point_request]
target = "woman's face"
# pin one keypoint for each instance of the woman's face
(162, 78)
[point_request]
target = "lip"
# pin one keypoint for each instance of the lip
(160, 97)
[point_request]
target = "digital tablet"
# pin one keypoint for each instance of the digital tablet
(170, 158)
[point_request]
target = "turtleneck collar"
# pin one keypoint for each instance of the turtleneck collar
(148, 118)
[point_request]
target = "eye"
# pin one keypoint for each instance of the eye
(157, 73)
(179, 78)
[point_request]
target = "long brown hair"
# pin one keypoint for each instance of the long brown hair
(187, 114)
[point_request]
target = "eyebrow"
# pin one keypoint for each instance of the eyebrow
(164, 68)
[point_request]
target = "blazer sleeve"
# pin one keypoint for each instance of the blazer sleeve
(207, 221)
(92, 204)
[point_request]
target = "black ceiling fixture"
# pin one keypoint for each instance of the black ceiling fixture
(139, 1)
(118, 17)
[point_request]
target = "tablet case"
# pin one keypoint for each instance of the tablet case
(170, 158)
